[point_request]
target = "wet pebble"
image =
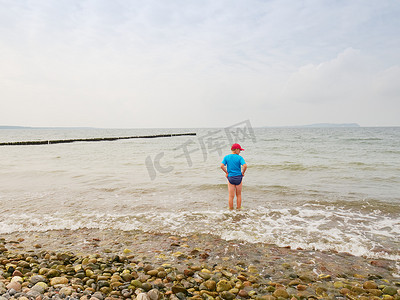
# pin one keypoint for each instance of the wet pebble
(281, 293)
(37, 278)
(14, 285)
(142, 296)
(390, 290)
(180, 275)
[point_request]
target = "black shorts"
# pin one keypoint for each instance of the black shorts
(235, 180)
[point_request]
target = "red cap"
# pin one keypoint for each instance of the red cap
(236, 146)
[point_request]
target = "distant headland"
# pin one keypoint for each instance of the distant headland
(13, 127)
(27, 127)
(332, 125)
(321, 125)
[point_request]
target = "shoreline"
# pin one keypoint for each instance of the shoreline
(190, 267)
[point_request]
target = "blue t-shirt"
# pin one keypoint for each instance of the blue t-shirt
(233, 163)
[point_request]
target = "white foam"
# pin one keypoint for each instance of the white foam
(374, 236)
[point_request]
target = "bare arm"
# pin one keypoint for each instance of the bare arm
(224, 169)
(244, 169)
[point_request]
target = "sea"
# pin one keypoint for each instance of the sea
(328, 189)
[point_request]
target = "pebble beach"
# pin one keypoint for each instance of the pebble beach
(109, 264)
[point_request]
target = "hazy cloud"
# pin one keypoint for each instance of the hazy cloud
(190, 63)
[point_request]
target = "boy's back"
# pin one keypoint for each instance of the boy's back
(233, 163)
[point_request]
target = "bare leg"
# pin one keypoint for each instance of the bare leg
(231, 191)
(238, 196)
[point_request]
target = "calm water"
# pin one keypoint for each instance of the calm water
(314, 188)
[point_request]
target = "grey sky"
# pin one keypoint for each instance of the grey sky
(199, 63)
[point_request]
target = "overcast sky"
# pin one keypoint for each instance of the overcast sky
(197, 63)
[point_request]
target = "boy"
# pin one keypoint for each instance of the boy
(234, 173)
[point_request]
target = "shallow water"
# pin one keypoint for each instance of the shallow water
(314, 188)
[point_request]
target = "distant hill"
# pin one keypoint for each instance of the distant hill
(321, 125)
(25, 127)
(332, 125)
(13, 127)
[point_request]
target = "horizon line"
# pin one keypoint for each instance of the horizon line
(316, 125)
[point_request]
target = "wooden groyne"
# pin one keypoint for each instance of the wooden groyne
(48, 142)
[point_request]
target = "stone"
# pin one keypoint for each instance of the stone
(24, 264)
(223, 285)
(325, 277)
(239, 285)
(180, 296)
(103, 277)
(301, 287)
(205, 275)
(162, 274)
(103, 283)
(180, 276)
(345, 291)
(253, 269)
(147, 286)
(307, 278)
(115, 285)
(89, 273)
(210, 285)
(381, 263)
(38, 288)
(14, 285)
(105, 290)
(152, 272)
(12, 292)
(280, 292)
(369, 285)
(390, 290)
(126, 293)
(227, 295)
(142, 296)
(17, 273)
(58, 280)
(158, 283)
(136, 283)
(53, 273)
(375, 292)
(66, 291)
(33, 294)
(153, 294)
(98, 295)
(294, 282)
(17, 279)
(37, 278)
(338, 284)
(178, 289)
(247, 283)
(127, 277)
(243, 294)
